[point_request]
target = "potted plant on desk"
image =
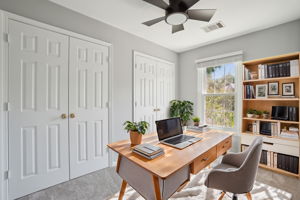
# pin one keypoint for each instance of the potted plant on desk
(196, 121)
(136, 130)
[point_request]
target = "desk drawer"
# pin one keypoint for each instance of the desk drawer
(204, 160)
(224, 146)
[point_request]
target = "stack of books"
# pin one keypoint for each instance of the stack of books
(284, 69)
(292, 133)
(277, 160)
(197, 129)
(148, 151)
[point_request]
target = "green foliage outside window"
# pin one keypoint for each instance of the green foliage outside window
(219, 88)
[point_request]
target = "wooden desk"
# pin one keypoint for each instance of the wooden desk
(161, 177)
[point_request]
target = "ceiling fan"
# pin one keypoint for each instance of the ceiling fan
(177, 13)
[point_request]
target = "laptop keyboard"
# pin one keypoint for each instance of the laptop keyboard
(179, 139)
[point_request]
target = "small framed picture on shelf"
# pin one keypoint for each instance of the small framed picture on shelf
(288, 89)
(273, 88)
(261, 91)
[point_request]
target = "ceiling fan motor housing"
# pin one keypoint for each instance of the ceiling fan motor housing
(176, 13)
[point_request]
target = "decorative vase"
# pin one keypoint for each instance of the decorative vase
(196, 123)
(135, 138)
(250, 115)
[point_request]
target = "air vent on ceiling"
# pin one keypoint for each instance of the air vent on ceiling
(213, 26)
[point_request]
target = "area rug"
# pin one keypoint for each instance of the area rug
(196, 190)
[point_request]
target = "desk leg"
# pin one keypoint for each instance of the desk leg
(122, 191)
(156, 187)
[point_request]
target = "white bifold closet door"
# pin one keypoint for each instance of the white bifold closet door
(38, 95)
(88, 101)
(154, 88)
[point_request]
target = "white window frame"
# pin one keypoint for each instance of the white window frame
(200, 103)
(202, 95)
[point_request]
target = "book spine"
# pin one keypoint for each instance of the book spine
(275, 160)
(269, 158)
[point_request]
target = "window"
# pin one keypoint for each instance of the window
(218, 95)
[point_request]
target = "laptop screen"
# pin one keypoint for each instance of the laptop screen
(168, 128)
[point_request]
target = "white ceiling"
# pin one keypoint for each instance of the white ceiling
(239, 16)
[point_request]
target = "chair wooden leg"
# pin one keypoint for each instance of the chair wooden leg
(122, 191)
(248, 195)
(222, 195)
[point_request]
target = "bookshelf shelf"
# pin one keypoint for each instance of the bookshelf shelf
(271, 120)
(280, 145)
(278, 170)
(273, 99)
(271, 79)
(276, 137)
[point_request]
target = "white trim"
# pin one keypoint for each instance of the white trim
(219, 56)
(200, 96)
(151, 57)
(53, 28)
(4, 88)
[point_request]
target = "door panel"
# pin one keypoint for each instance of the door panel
(145, 91)
(165, 89)
(154, 88)
(38, 88)
(88, 100)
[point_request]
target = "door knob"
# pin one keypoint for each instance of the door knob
(63, 116)
(72, 115)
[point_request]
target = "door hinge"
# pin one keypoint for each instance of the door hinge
(107, 59)
(6, 37)
(135, 104)
(7, 174)
(107, 104)
(7, 106)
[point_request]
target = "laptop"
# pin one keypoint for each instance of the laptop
(170, 132)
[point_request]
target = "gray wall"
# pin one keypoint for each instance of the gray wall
(277, 40)
(123, 46)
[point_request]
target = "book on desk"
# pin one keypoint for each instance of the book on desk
(148, 151)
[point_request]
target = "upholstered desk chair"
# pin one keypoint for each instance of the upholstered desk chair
(237, 172)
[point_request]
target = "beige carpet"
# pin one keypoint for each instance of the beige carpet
(196, 190)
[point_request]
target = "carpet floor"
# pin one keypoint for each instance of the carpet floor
(196, 190)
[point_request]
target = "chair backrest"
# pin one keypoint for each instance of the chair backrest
(250, 165)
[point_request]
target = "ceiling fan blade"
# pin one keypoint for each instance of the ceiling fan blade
(153, 21)
(201, 14)
(190, 3)
(158, 3)
(176, 28)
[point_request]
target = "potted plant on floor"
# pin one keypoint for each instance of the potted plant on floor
(266, 114)
(250, 113)
(196, 121)
(136, 130)
(182, 109)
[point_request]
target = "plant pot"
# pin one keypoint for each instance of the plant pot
(196, 123)
(250, 115)
(257, 116)
(135, 138)
(266, 116)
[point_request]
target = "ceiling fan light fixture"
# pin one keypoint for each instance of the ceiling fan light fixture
(177, 18)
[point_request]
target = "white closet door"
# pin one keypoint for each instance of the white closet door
(145, 90)
(38, 88)
(88, 101)
(165, 89)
